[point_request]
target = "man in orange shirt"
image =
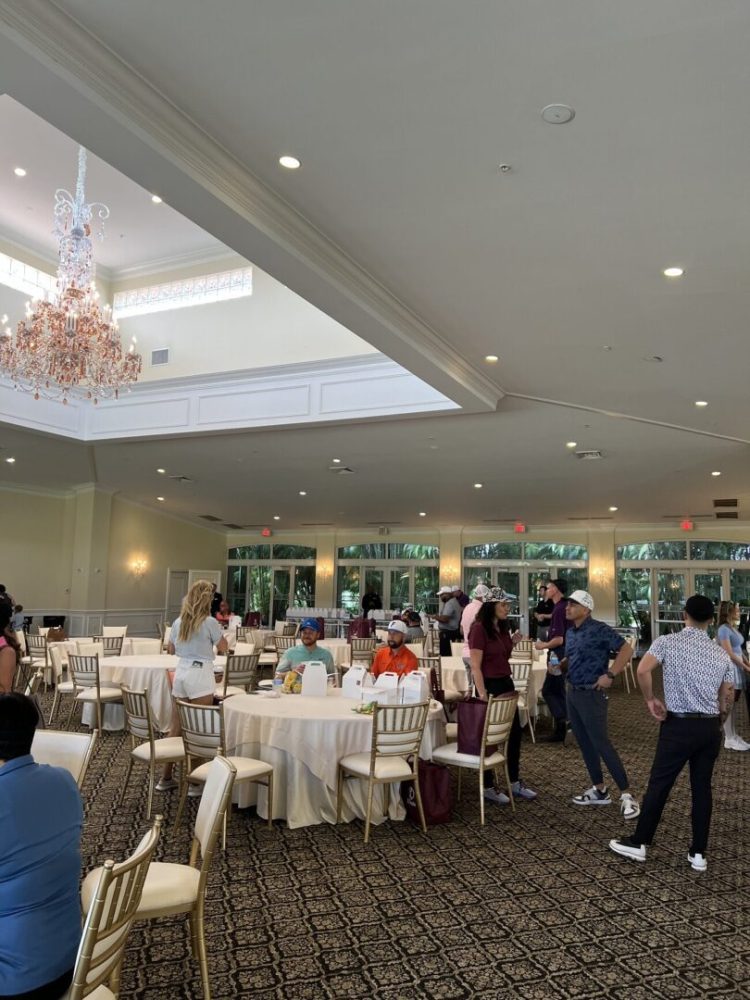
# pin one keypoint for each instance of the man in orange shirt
(394, 657)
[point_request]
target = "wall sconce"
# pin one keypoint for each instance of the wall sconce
(325, 571)
(599, 576)
(138, 567)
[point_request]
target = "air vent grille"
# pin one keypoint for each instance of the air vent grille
(209, 517)
(316, 524)
(160, 357)
(597, 518)
(181, 479)
(691, 517)
(727, 515)
(235, 527)
(341, 470)
(726, 503)
(589, 456)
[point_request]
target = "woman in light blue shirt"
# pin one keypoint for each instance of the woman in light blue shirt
(192, 639)
(731, 639)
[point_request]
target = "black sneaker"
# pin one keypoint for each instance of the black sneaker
(592, 797)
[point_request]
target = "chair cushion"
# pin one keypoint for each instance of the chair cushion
(451, 731)
(167, 886)
(169, 748)
(100, 993)
(449, 754)
(65, 687)
(247, 768)
(106, 694)
(386, 768)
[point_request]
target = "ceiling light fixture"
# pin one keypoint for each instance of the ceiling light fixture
(276, 517)
(19, 172)
(10, 461)
(69, 345)
(571, 444)
(290, 162)
(715, 473)
(558, 114)
(491, 358)
(161, 471)
(156, 199)
(701, 402)
(423, 513)
(160, 499)
(673, 272)
(303, 493)
(336, 461)
(478, 486)
(613, 509)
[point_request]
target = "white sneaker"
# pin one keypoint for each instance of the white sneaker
(628, 806)
(628, 850)
(736, 743)
(697, 862)
(592, 797)
(166, 785)
(499, 798)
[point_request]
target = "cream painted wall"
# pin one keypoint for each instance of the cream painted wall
(163, 542)
(35, 542)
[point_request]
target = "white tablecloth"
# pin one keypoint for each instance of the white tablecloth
(304, 739)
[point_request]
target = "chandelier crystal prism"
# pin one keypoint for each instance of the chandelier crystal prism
(69, 346)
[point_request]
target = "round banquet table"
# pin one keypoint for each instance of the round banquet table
(304, 739)
(140, 673)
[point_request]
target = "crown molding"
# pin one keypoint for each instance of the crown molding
(179, 262)
(290, 248)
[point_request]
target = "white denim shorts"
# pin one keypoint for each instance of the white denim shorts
(194, 682)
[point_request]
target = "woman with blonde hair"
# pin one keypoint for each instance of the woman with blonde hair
(731, 640)
(192, 639)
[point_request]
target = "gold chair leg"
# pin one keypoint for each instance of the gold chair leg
(99, 718)
(339, 793)
(269, 804)
(418, 796)
(55, 700)
(183, 797)
(202, 957)
(125, 784)
(70, 714)
(224, 827)
(510, 788)
(531, 725)
(481, 795)
(151, 783)
(370, 790)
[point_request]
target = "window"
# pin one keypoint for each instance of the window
(347, 588)
(645, 551)
(376, 550)
(494, 550)
(250, 552)
(25, 278)
(244, 552)
(205, 288)
(405, 550)
(719, 551)
(552, 552)
(294, 552)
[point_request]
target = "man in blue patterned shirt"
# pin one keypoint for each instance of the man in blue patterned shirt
(589, 646)
(698, 693)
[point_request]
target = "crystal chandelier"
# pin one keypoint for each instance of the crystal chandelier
(69, 345)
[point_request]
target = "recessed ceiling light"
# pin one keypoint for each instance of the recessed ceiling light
(303, 493)
(10, 461)
(156, 199)
(571, 444)
(423, 513)
(19, 172)
(276, 517)
(161, 471)
(715, 473)
(491, 358)
(613, 509)
(656, 358)
(701, 402)
(336, 461)
(478, 486)
(558, 114)
(160, 499)
(673, 272)
(290, 162)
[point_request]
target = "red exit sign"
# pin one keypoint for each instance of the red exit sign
(266, 532)
(519, 528)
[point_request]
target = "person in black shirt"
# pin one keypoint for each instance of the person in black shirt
(542, 614)
(215, 601)
(371, 602)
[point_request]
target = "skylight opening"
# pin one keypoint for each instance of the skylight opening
(219, 287)
(24, 278)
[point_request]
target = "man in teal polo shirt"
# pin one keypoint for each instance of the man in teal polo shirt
(40, 862)
(309, 650)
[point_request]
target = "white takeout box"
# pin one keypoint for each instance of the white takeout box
(352, 681)
(382, 695)
(387, 680)
(414, 688)
(315, 680)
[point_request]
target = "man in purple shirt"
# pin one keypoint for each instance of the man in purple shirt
(553, 690)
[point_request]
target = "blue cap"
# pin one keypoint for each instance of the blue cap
(310, 623)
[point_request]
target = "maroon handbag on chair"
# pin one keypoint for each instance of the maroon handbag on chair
(470, 717)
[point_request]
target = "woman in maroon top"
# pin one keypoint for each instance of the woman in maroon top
(490, 647)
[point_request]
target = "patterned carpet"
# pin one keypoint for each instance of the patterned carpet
(529, 907)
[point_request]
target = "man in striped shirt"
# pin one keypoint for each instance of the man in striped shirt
(698, 693)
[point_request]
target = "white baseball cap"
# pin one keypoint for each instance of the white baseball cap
(480, 592)
(584, 598)
(396, 626)
(445, 590)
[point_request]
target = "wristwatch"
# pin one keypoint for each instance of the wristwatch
(611, 675)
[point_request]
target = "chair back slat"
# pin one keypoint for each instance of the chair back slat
(289, 629)
(244, 633)
(524, 647)
(521, 672)
(73, 751)
(202, 729)
(84, 670)
(398, 729)
(499, 719)
(110, 917)
(360, 645)
(429, 663)
(111, 644)
(138, 714)
(283, 642)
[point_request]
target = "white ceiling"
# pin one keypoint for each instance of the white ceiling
(137, 231)
(400, 114)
